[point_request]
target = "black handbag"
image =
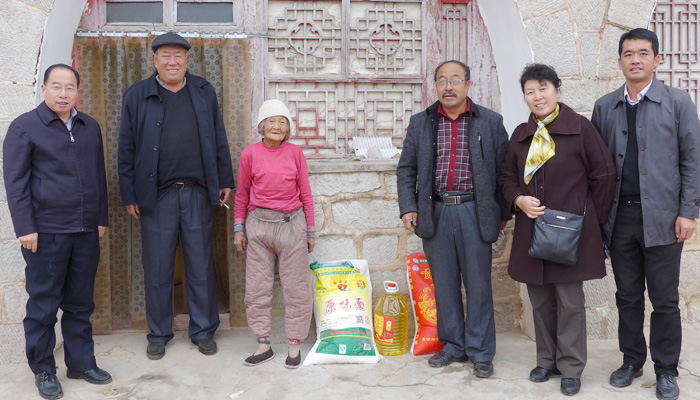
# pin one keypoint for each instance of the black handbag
(556, 235)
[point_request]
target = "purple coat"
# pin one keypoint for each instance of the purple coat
(581, 174)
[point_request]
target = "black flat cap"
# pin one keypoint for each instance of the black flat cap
(171, 39)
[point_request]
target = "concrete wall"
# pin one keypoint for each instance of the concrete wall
(357, 214)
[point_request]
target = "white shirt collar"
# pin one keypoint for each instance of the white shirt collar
(640, 95)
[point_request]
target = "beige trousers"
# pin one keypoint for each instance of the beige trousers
(271, 241)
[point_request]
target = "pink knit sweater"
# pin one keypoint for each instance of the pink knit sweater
(276, 178)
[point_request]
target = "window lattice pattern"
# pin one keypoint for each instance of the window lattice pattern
(329, 114)
(676, 23)
(305, 38)
(345, 68)
(385, 38)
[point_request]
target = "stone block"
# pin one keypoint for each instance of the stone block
(601, 323)
(609, 67)
(589, 42)
(332, 184)
(534, 8)
(43, 5)
(690, 272)
(380, 250)
(15, 302)
(630, 13)
(7, 230)
(588, 14)
(371, 214)
(414, 244)
(15, 100)
(601, 292)
(20, 56)
(553, 43)
(507, 316)
(331, 248)
(390, 183)
(693, 309)
(13, 264)
(581, 94)
(319, 216)
(501, 283)
(12, 344)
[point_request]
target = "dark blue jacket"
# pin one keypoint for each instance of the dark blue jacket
(53, 184)
(139, 141)
(415, 174)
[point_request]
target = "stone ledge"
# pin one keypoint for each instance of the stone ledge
(330, 166)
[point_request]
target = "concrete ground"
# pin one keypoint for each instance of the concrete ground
(184, 373)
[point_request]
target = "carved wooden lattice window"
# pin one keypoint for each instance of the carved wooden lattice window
(676, 23)
(345, 69)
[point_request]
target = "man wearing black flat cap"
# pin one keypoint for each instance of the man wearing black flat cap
(174, 165)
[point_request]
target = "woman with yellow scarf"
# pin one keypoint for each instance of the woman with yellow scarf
(557, 160)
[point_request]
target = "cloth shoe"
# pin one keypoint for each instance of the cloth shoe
(263, 354)
(95, 376)
(483, 369)
(48, 385)
(293, 362)
(155, 350)
(443, 359)
(206, 346)
(666, 387)
(539, 374)
(570, 386)
(623, 376)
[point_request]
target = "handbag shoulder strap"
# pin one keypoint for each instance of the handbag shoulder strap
(585, 204)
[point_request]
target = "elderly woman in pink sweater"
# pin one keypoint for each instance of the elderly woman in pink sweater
(274, 221)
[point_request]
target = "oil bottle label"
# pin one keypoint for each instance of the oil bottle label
(384, 329)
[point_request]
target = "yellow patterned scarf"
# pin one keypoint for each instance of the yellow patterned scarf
(541, 148)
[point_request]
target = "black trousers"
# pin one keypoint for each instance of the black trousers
(61, 274)
(658, 267)
(184, 215)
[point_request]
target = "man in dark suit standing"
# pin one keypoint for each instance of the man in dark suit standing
(54, 173)
(449, 196)
(174, 165)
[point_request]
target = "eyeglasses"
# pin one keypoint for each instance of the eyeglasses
(453, 82)
(70, 90)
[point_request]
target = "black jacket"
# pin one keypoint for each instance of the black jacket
(139, 141)
(53, 184)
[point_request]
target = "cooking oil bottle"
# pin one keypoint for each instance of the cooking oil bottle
(391, 321)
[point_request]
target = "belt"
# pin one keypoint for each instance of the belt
(285, 218)
(452, 200)
(630, 200)
(182, 185)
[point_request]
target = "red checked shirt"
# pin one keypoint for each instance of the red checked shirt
(453, 170)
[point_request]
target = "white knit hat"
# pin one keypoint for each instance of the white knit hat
(273, 108)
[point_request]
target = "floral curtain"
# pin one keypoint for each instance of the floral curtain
(108, 66)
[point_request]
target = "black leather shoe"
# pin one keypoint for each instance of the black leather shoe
(483, 369)
(539, 374)
(623, 376)
(206, 346)
(155, 350)
(443, 359)
(48, 385)
(570, 386)
(95, 375)
(666, 387)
